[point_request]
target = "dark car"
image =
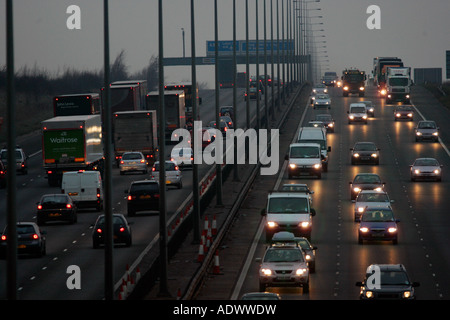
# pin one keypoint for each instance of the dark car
(365, 152)
(223, 126)
(226, 111)
(365, 181)
(378, 224)
(56, 207)
(327, 119)
(30, 240)
(228, 120)
(403, 112)
(393, 283)
(121, 230)
(2, 175)
(427, 130)
(143, 195)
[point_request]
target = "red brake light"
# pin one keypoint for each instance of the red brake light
(39, 206)
(99, 230)
(122, 229)
(68, 206)
(3, 237)
(35, 236)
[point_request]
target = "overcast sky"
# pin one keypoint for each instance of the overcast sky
(417, 31)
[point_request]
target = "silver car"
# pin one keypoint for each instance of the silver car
(370, 199)
(133, 161)
(322, 101)
(173, 173)
(21, 159)
(184, 157)
(427, 130)
(426, 168)
(284, 266)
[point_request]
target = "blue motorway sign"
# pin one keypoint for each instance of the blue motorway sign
(225, 48)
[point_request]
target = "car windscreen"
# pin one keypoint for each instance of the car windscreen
(377, 216)
(372, 197)
(55, 199)
(131, 156)
(170, 166)
(304, 152)
(116, 220)
(426, 162)
(367, 179)
(358, 110)
(393, 278)
(283, 255)
(144, 187)
(365, 147)
(426, 125)
(288, 205)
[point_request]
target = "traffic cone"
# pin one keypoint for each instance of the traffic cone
(138, 274)
(216, 268)
(179, 294)
(214, 226)
(201, 252)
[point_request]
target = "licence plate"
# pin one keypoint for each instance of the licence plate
(378, 235)
(73, 193)
(168, 181)
(21, 246)
(145, 197)
(54, 215)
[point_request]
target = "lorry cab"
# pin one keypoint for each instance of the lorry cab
(84, 187)
(288, 211)
(316, 135)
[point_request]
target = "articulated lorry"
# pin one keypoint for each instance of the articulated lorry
(380, 68)
(135, 131)
(398, 82)
(174, 107)
(76, 104)
(71, 143)
(353, 81)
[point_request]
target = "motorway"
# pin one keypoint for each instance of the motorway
(340, 260)
(45, 278)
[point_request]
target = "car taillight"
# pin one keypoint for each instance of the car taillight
(68, 206)
(142, 161)
(122, 229)
(98, 192)
(35, 236)
(121, 161)
(39, 207)
(153, 169)
(99, 230)
(3, 238)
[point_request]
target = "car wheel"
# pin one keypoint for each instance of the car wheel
(306, 287)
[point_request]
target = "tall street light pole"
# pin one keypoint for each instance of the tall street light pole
(218, 165)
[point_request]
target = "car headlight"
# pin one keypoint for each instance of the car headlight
(407, 294)
(369, 294)
(397, 114)
(300, 272)
(392, 230)
(356, 155)
(361, 88)
(416, 171)
(364, 117)
(307, 257)
(418, 133)
(383, 92)
(389, 96)
(332, 125)
(346, 88)
(374, 155)
(435, 133)
(357, 189)
(407, 96)
(378, 189)
(272, 224)
(410, 114)
(266, 272)
(437, 171)
(304, 224)
(352, 117)
(317, 166)
(364, 229)
(361, 209)
(371, 109)
(292, 165)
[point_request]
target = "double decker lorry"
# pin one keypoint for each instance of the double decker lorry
(76, 104)
(353, 81)
(71, 143)
(398, 82)
(135, 131)
(174, 109)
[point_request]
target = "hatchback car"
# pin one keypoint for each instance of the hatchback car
(30, 240)
(365, 181)
(56, 207)
(142, 195)
(21, 159)
(228, 120)
(223, 126)
(370, 199)
(370, 108)
(322, 101)
(365, 152)
(357, 113)
(427, 130)
(378, 224)
(253, 94)
(284, 266)
(226, 111)
(121, 231)
(403, 112)
(183, 157)
(426, 169)
(393, 283)
(133, 161)
(173, 173)
(327, 120)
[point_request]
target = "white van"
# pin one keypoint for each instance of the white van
(316, 135)
(84, 187)
(304, 159)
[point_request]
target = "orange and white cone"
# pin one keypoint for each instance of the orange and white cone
(214, 226)
(216, 268)
(201, 252)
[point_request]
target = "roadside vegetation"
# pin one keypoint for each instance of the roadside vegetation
(442, 93)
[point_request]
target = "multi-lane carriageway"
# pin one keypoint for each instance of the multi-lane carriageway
(341, 261)
(423, 238)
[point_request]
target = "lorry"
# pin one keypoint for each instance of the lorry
(188, 89)
(142, 89)
(76, 104)
(398, 82)
(174, 107)
(353, 81)
(71, 143)
(124, 97)
(135, 131)
(381, 65)
(226, 73)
